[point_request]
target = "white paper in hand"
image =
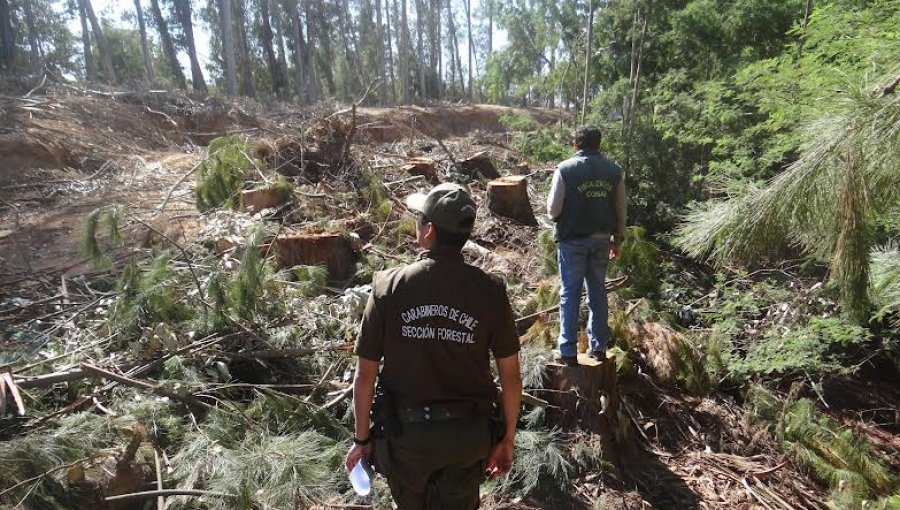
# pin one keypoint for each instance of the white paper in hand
(360, 478)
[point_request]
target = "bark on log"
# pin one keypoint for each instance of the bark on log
(424, 167)
(508, 197)
(268, 197)
(479, 164)
(334, 251)
(588, 398)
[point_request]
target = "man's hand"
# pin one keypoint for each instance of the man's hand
(501, 459)
(613, 251)
(355, 453)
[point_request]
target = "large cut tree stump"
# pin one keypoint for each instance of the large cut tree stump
(334, 251)
(479, 164)
(267, 197)
(508, 196)
(587, 397)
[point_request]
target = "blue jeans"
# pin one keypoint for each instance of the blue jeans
(583, 261)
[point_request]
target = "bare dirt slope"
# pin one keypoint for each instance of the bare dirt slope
(63, 156)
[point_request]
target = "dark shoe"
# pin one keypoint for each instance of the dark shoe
(569, 361)
(598, 355)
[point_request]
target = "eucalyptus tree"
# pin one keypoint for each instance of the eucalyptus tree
(7, 44)
(183, 13)
(165, 37)
(145, 46)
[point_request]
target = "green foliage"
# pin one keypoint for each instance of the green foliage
(545, 145)
(818, 348)
(824, 203)
(224, 173)
(885, 276)
(110, 217)
(248, 287)
(833, 454)
(540, 467)
(148, 297)
(549, 260)
(639, 258)
(311, 279)
(516, 122)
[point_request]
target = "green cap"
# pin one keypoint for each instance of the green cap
(449, 206)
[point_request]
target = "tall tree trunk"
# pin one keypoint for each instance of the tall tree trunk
(312, 80)
(420, 49)
(454, 51)
(293, 10)
(266, 36)
(35, 55)
(351, 84)
(183, 13)
(168, 46)
(490, 29)
(587, 60)
(806, 13)
(245, 67)
(471, 44)
(145, 47)
(278, 29)
(226, 29)
(404, 52)
(436, 7)
(90, 69)
(325, 57)
(105, 57)
(635, 90)
(382, 76)
(7, 42)
(390, 47)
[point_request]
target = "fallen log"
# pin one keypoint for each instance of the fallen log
(479, 164)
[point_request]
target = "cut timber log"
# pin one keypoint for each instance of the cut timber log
(424, 167)
(479, 164)
(267, 197)
(334, 251)
(508, 196)
(588, 398)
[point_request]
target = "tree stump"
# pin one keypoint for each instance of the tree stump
(424, 167)
(508, 196)
(587, 397)
(334, 251)
(267, 197)
(481, 164)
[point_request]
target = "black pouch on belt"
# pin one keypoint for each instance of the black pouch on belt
(497, 423)
(385, 423)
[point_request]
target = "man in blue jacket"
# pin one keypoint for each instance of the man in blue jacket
(587, 202)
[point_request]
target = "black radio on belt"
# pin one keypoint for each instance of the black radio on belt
(385, 423)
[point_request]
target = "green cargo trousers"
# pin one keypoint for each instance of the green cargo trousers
(436, 465)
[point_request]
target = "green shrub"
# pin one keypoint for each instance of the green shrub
(311, 279)
(549, 255)
(638, 258)
(835, 455)
(517, 122)
(545, 145)
(148, 297)
(822, 346)
(224, 173)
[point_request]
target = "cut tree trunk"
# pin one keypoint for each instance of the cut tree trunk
(587, 397)
(269, 197)
(479, 164)
(508, 196)
(424, 167)
(332, 250)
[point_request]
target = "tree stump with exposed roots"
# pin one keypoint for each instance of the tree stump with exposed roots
(424, 167)
(508, 197)
(334, 251)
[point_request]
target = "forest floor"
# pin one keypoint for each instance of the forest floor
(63, 155)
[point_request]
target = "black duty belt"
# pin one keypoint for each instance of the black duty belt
(440, 412)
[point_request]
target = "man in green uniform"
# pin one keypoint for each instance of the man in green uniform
(434, 324)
